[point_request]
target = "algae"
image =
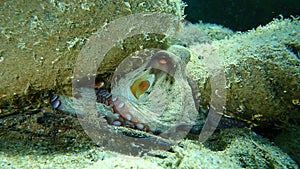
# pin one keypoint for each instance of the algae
(262, 68)
(230, 148)
(40, 41)
(262, 73)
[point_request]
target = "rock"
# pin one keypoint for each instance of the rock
(262, 73)
(40, 42)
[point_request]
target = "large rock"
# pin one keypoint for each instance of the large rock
(262, 73)
(40, 42)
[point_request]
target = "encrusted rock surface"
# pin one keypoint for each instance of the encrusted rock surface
(40, 42)
(262, 72)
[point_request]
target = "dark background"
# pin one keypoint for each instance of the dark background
(240, 14)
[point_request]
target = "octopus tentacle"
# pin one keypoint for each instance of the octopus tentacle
(115, 112)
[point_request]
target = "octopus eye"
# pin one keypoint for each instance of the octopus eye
(141, 85)
(163, 60)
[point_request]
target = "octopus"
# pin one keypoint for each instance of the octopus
(148, 97)
(150, 93)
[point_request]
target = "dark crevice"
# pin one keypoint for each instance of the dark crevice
(294, 49)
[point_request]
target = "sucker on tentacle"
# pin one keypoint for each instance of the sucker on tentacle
(109, 107)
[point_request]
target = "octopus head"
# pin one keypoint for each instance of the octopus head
(155, 92)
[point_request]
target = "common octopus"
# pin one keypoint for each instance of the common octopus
(149, 92)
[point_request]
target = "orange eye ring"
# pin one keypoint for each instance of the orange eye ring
(139, 87)
(163, 61)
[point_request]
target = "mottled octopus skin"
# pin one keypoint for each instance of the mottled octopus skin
(111, 115)
(142, 87)
(108, 106)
